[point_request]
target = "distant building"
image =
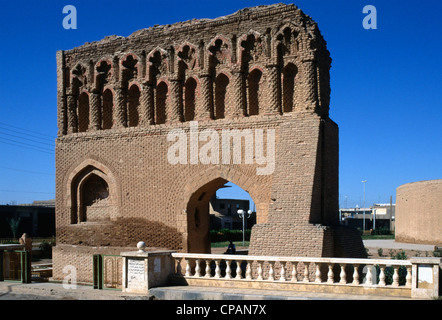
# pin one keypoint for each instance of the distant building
(376, 217)
(36, 219)
(224, 214)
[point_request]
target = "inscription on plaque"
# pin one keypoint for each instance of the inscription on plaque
(135, 271)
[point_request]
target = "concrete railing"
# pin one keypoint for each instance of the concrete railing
(417, 277)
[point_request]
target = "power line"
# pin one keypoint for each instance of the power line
(17, 191)
(27, 147)
(26, 144)
(27, 134)
(27, 171)
(27, 130)
(13, 135)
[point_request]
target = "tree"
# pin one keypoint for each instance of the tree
(13, 224)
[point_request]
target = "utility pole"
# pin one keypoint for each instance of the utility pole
(391, 213)
(363, 220)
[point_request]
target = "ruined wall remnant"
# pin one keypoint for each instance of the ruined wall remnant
(264, 68)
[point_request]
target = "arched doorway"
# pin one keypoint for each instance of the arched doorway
(92, 194)
(206, 210)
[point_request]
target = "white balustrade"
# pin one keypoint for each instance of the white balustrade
(271, 269)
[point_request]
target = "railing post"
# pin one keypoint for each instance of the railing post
(208, 269)
(343, 275)
(330, 274)
(271, 272)
(282, 273)
(197, 268)
(355, 274)
(143, 270)
(306, 275)
(318, 273)
(425, 277)
(217, 269)
(294, 272)
(238, 269)
(249, 271)
(228, 270)
(188, 269)
(382, 275)
(408, 277)
(259, 271)
(395, 276)
(178, 266)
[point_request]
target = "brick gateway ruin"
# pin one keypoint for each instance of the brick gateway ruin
(259, 68)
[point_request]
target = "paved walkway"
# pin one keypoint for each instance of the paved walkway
(56, 291)
(391, 244)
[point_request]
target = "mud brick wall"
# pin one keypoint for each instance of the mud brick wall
(417, 217)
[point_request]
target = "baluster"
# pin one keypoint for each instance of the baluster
(188, 274)
(271, 272)
(306, 279)
(355, 274)
(294, 272)
(178, 266)
(197, 268)
(282, 278)
(395, 276)
(369, 276)
(228, 270)
(208, 269)
(249, 271)
(217, 269)
(382, 276)
(408, 277)
(318, 273)
(343, 275)
(259, 271)
(330, 274)
(238, 270)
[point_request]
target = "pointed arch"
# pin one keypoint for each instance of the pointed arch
(107, 111)
(194, 195)
(289, 87)
(221, 95)
(133, 104)
(254, 97)
(161, 93)
(190, 87)
(92, 193)
(83, 112)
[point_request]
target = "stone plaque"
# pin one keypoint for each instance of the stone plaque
(425, 276)
(136, 276)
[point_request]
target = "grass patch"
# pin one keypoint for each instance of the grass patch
(378, 237)
(226, 244)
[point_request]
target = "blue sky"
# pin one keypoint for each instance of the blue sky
(386, 85)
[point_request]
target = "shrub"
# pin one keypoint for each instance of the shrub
(223, 235)
(46, 249)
